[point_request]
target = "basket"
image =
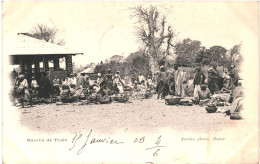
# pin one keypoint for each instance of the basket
(172, 100)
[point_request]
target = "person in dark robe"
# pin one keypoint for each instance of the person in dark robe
(198, 80)
(162, 83)
(45, 86)
(171, 84)
(85, 81)
(213, 78)
(109, 81)
(233, 73)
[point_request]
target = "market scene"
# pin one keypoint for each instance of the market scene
(178, 76)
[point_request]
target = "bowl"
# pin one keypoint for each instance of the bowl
(211, 109)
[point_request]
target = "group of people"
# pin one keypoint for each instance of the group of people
(80, 86)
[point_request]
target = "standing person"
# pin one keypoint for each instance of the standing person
(178, 81)
(34, 86)
(85, 81)
(69, 79)
(99, 79)
(23, 86)
(198, 80)
(14, 75)
(117, 78)
(45, 86)
(109, 80)
(184, 83)
(233, 74)
(133, 78)
(213, 77)
(161, 83)
(171, 83)
(73, 79)
(79, 81)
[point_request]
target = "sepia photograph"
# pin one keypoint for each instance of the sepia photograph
(130, 82)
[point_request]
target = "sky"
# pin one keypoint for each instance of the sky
(103, 29)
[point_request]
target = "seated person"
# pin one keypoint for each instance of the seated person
(92, 94)
(204, 92)
(66, 95)
(236, 93)
(189, 90)
(227, 83)
(73, 89)
(203, 95)
(137, 86)
(81, 93)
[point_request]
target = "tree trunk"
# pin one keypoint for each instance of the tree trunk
(154, 66)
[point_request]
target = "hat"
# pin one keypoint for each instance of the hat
(117, 71)
(99, 74)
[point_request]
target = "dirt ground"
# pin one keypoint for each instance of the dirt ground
(143, 115)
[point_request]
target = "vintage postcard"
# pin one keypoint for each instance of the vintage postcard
(130, 82)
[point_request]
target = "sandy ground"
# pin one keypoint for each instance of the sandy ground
(149, 118)
(140, 116)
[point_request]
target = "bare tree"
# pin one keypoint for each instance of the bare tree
(156, 37)
(41, 31)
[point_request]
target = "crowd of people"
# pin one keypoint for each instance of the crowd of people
(110, 87)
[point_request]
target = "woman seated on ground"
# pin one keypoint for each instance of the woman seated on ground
(236, 107)
(137, 86)
(236, 93)
(204, 92)
(66, 95)
(81, 93)
(203, 95)
(23, 87)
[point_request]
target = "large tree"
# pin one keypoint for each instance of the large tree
(155, 35)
